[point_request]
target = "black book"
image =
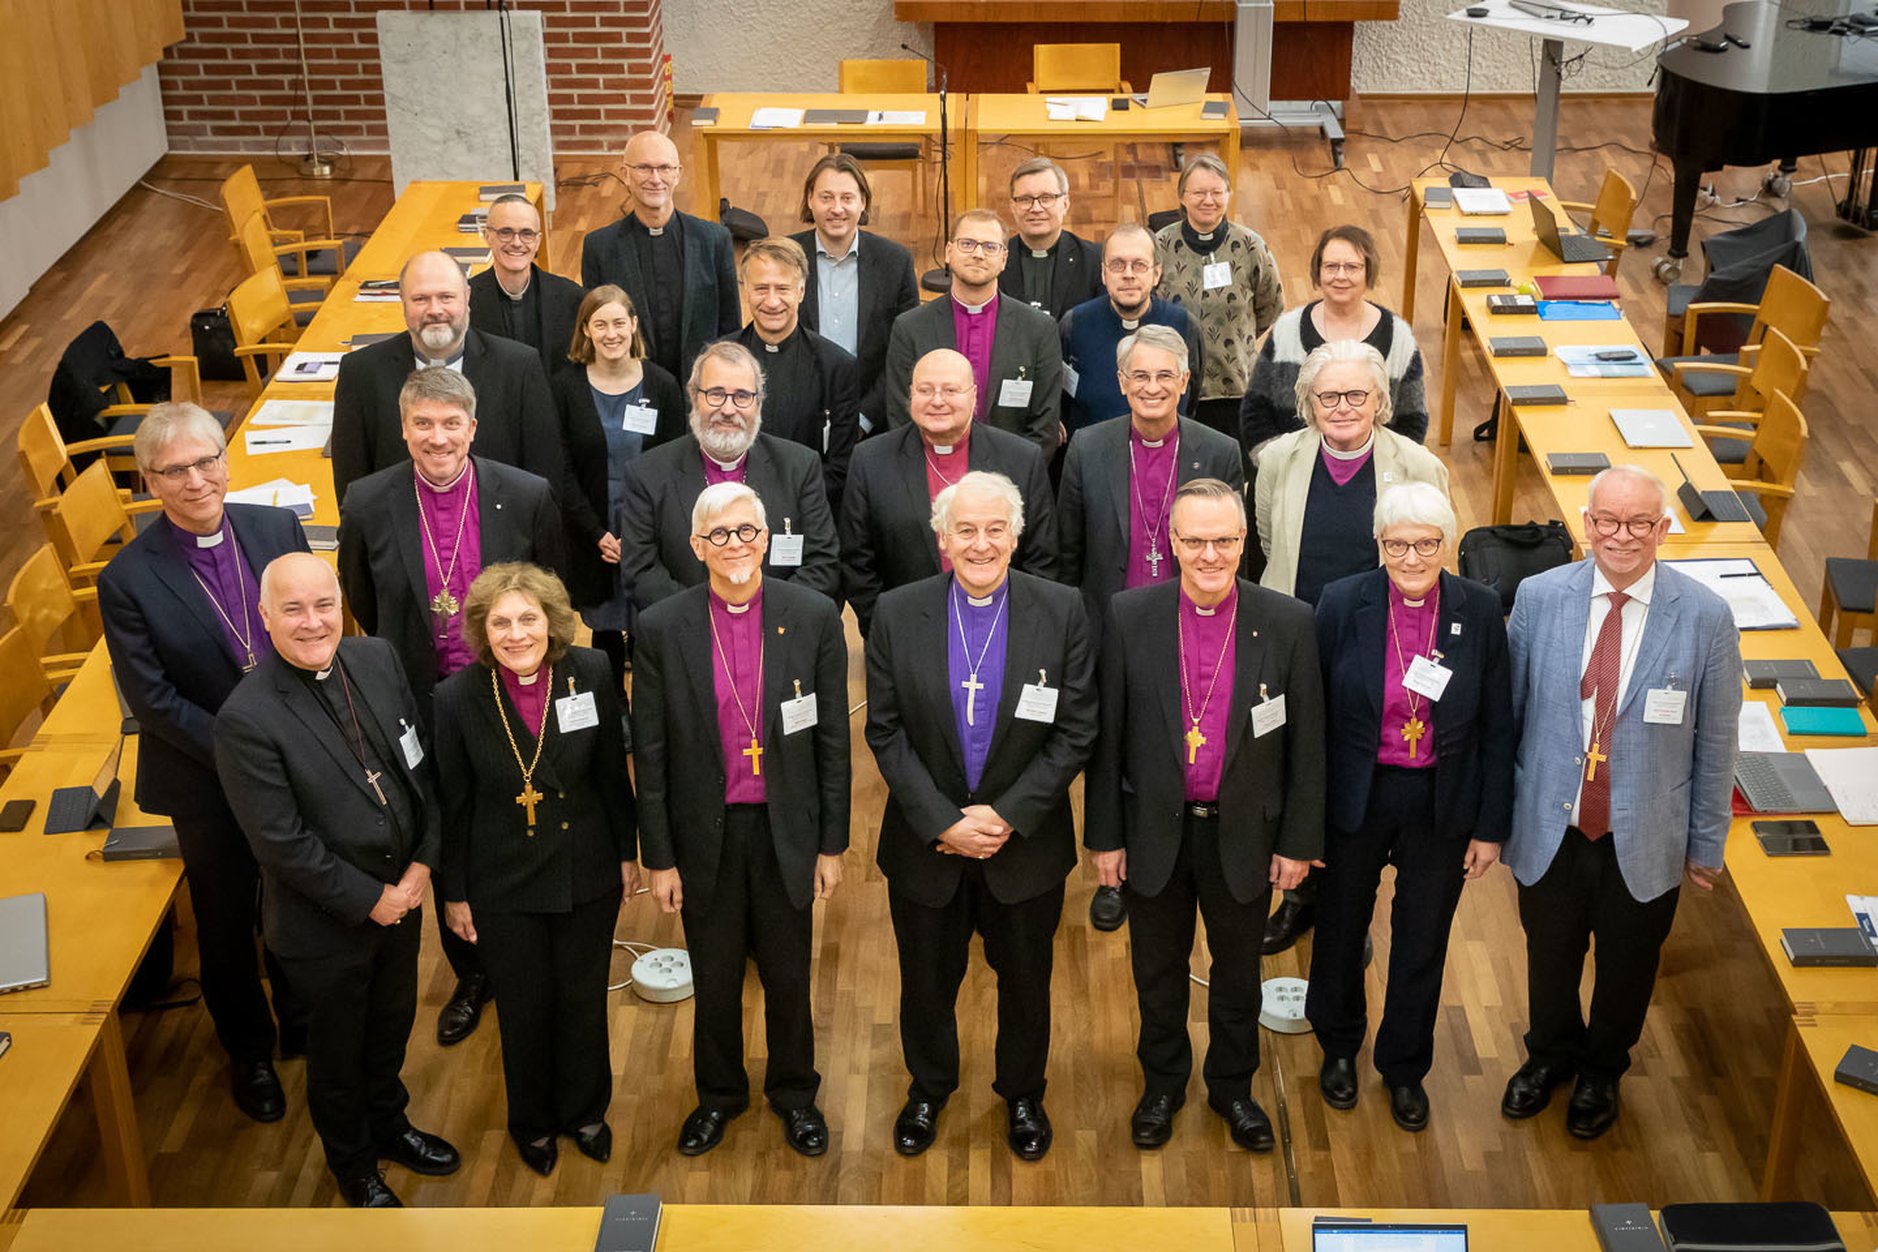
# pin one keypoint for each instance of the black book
(628, 1223)
(1542, 393)
(1438, 197)
(1577, 462)
(1858, 1068)
(1764, 675)
(1625, 1228)
(1479, 234)
(1482, 278)
(1827, 945)
(1817, 693)
(1517, 345)
(1512, 304)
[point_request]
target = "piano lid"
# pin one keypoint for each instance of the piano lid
(1781, 57)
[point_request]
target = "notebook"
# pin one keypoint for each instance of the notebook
(1806, 720)
(1481, 201)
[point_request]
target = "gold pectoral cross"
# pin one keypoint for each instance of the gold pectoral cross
(445, 603)
(1413, 730)
(528, 800)
(1592, 759)
(755, 753)
(1194, 741)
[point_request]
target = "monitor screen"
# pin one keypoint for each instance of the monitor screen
(1387, 1237)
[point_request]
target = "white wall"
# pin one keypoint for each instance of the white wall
(86, 175)
(1422, 51)
(778, 45)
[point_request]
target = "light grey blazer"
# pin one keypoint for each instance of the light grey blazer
(1670, 785)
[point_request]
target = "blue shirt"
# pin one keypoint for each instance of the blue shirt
(838, 290)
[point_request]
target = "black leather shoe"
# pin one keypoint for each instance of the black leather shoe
(596, 1144)
(1408, 1104)
(916, 1127)
(540, 1157)
(257, 1091)
(1107, 909)
(704, 1130)
(1593, 1108)
(1153, 1122)
(368, 1191)
(1530, 1089)
(805, 1130)
(1287, 926)
(421, 1153)
(1337, 1081)
(1029, 1131)
(1251, 1129)
(464, 1009)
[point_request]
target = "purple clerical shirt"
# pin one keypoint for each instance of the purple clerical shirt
(977, 633)
(715, 473)
(528, 695)
(233, 592)
(449, 562)
(945, 466)
(1207, 641)
(1343, 469)
(974, 332)
(1152, 470)
(737, 678)
(1414, 629)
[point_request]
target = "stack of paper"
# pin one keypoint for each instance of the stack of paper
(1851, 775)
(292, 413)
(309, 367)
(1076, 108)
(1755, 603)
(1756, 732)
(282, 493)
(776, 119)
(897, 117)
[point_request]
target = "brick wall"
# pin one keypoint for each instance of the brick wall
(233, 83)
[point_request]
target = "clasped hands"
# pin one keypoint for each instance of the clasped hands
(398, 898)
(978, 834)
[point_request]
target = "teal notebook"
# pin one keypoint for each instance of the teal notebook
(1803, 720)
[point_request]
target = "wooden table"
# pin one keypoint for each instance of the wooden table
(49, 1054)
(1024, 117)
(424, 218)
(1814, 1048)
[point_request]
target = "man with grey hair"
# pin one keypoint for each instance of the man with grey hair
(1055, 269)
(182, 621)
(412, 538)
(743, 803)
(726, 444)
(1626, 691)
(978, 754)
(1092, 330)
(517, 299)
(517, 417)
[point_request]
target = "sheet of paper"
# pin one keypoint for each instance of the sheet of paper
(1757, 731)
(1581, 361)
(292, 413)
(1851, 775)
(1753, 600)
(1076, 108)
(775, 119)
(286, 439)
(280, 492)
(897, 117)
(309, 367)
(1865, 910)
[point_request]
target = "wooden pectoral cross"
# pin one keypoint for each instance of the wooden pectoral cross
(972, 687)
(1593, 759)
(1413, 730)
(755, 753)
(528, 800)
(1195, 740)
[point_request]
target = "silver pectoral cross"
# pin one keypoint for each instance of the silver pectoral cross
(371, 777)
(972, 688)
(1154, 561)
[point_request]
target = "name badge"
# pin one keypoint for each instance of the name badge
(799, 713)
(1267, 715)
(1664, 706)
(1216, 274)
(413, 750)
(786, 548)
(1014, 393)
(576, 712)
(640, 420)
(1037, 703)
(1427, 678)
(1070, 379)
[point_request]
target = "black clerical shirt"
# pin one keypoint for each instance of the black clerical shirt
(1038, 272)
(661, 258)
(794, 404)
(521, 319)
(367, 745)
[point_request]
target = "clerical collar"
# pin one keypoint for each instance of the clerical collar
(1202, 243)
(981, 602)
(1131, 323)
(727, 466)
(1206, 612)
(973, 310)
(321, 675)
(1146, 442)
(214, 540)
(449, 486)
(1357, 455)
(738, 609)
(518, 296)
(453, 361)
(943, 449)
(527, 680)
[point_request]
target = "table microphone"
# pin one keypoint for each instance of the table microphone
(939, 280)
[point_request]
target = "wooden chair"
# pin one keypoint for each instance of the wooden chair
(261, 316)
(24, 693)
(1769, 472)
(48, 611)
(258, 252)
(1790, 304)
(1610, 216)
(242, 198)
(46, 459)
(89, 525)
(887, 77)
(1084, 67)
(1849, 600)
(1778, 366)
(1861, 666)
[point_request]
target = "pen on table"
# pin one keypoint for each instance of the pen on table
(1750, 573)
(275, 443)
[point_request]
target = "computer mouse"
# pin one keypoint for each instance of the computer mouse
(1478, 10)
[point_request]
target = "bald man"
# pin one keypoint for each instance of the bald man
(515, 416)
(680, 270)
(517, 299)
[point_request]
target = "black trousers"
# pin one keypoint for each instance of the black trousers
(1398, 828)
(465, 959)
(1580, 897)
(225, 891)
(361, 1003)
(1161, 948)
(549, 971)
(750, 917)
(935, 946)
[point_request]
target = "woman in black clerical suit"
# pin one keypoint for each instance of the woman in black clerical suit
(540, 842)
(613, 408)
(1418, 716)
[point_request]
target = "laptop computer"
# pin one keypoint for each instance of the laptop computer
(1329, 1234)
(1176, 87)
(1651, 428)
(25, 958)
(1568, 248)
(1781, 782)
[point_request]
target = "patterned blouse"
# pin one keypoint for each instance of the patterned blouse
(1231, 317)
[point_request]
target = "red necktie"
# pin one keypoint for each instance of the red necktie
(1599, 685)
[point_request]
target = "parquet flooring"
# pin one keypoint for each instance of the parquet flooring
(1697, 1105)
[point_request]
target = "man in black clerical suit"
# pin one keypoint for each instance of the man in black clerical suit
(1206, 790)
(181, 610)
(514, 297)
(978, 750)
(743, 803)
(886, 517)
(518, 422)
(680, 270)
(861, 281)
(322, 757)
(1050, 268)
(727, 443)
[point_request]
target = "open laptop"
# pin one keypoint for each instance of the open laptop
(1781, 782)
(25, 959)
(1344, 1235)
(1175, 87)
(1568, 248)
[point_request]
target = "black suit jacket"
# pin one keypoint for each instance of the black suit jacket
(584, 822)
(886, 515)
(679, 755)
(1474, 730)
(655, 553)
(326, 846)
(711, 309)
(827, 422)
(888, 288)
(1078, 274)
(514, 412)
(1093, 505)
(911, 728)
(1026, 346)
(557, 308)
(381, 553)
(170, 656)
(586, 503)
(1271, 790)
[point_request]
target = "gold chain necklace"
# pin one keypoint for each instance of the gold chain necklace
(1414, 728)
(529, 797)
(1196, 740)
(443, 602)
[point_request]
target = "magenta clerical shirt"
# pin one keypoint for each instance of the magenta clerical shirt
(1152, 470)
(945, 465)
(528, 695)
(1207, 640)
(1415, 628)
(715, 473)
(974, 330)
(737, 678)
(449, 562)
(1345, 467)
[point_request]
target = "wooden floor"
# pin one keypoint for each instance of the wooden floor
(1697, 1105)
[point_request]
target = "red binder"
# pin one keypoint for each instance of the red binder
(1573, 287)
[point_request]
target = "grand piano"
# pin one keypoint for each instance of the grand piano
(1791, 92)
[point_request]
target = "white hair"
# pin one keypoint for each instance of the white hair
(1166, 338)
(169, 421)
(979, 483)
(717, 498)
(1617, 471)
(1416, 504)
(1337, 351)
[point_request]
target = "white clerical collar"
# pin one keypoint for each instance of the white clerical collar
(1206, 612)
(518, 296)
(980, 602)
(973, 310)
(943, 449)
(1640, 591)
(1040, 253)
(1154, 443)
(1131, 323)
(771, 347)
(1356, 455)
(452, 362)
(211, 541)
(527, 680)
(738, 609)
(729, 467)
(449, 486)
(1413, 604)
(1207, 237)
(321, 675)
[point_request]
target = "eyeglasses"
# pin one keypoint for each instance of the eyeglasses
(1606, 526)
(722, 535)
(1399, 548)
(990, 247)
(1164, 378)
(1047, 200)
(1342, 267)
(205, 466)
(951, 391)
(1330, 399)
(1195, 193)
(648, 171)
(509, 234)
(995, 533)
(717, 395)
(1119, 266)
(1191, 545)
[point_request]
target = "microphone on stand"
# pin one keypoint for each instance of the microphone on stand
(940, 279)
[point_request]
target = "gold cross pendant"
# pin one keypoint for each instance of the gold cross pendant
(1195, 740)
(528, 800)
(1413, 730)
(755, 753)
(445, 603)
(1592, 759)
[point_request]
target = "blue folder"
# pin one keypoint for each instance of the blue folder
(1809, 720)
(1579, 311)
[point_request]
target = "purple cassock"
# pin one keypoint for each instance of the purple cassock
(737, 678)
(230, 585)
(528, 695)
(1208, 639)
(977, 638)
(945, 465)
(975, 329)
(450, 564)
(1415, 630)
(1152, 470)
(715, 472)
(1343, 468)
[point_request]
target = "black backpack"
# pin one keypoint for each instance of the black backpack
(1503, 556)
